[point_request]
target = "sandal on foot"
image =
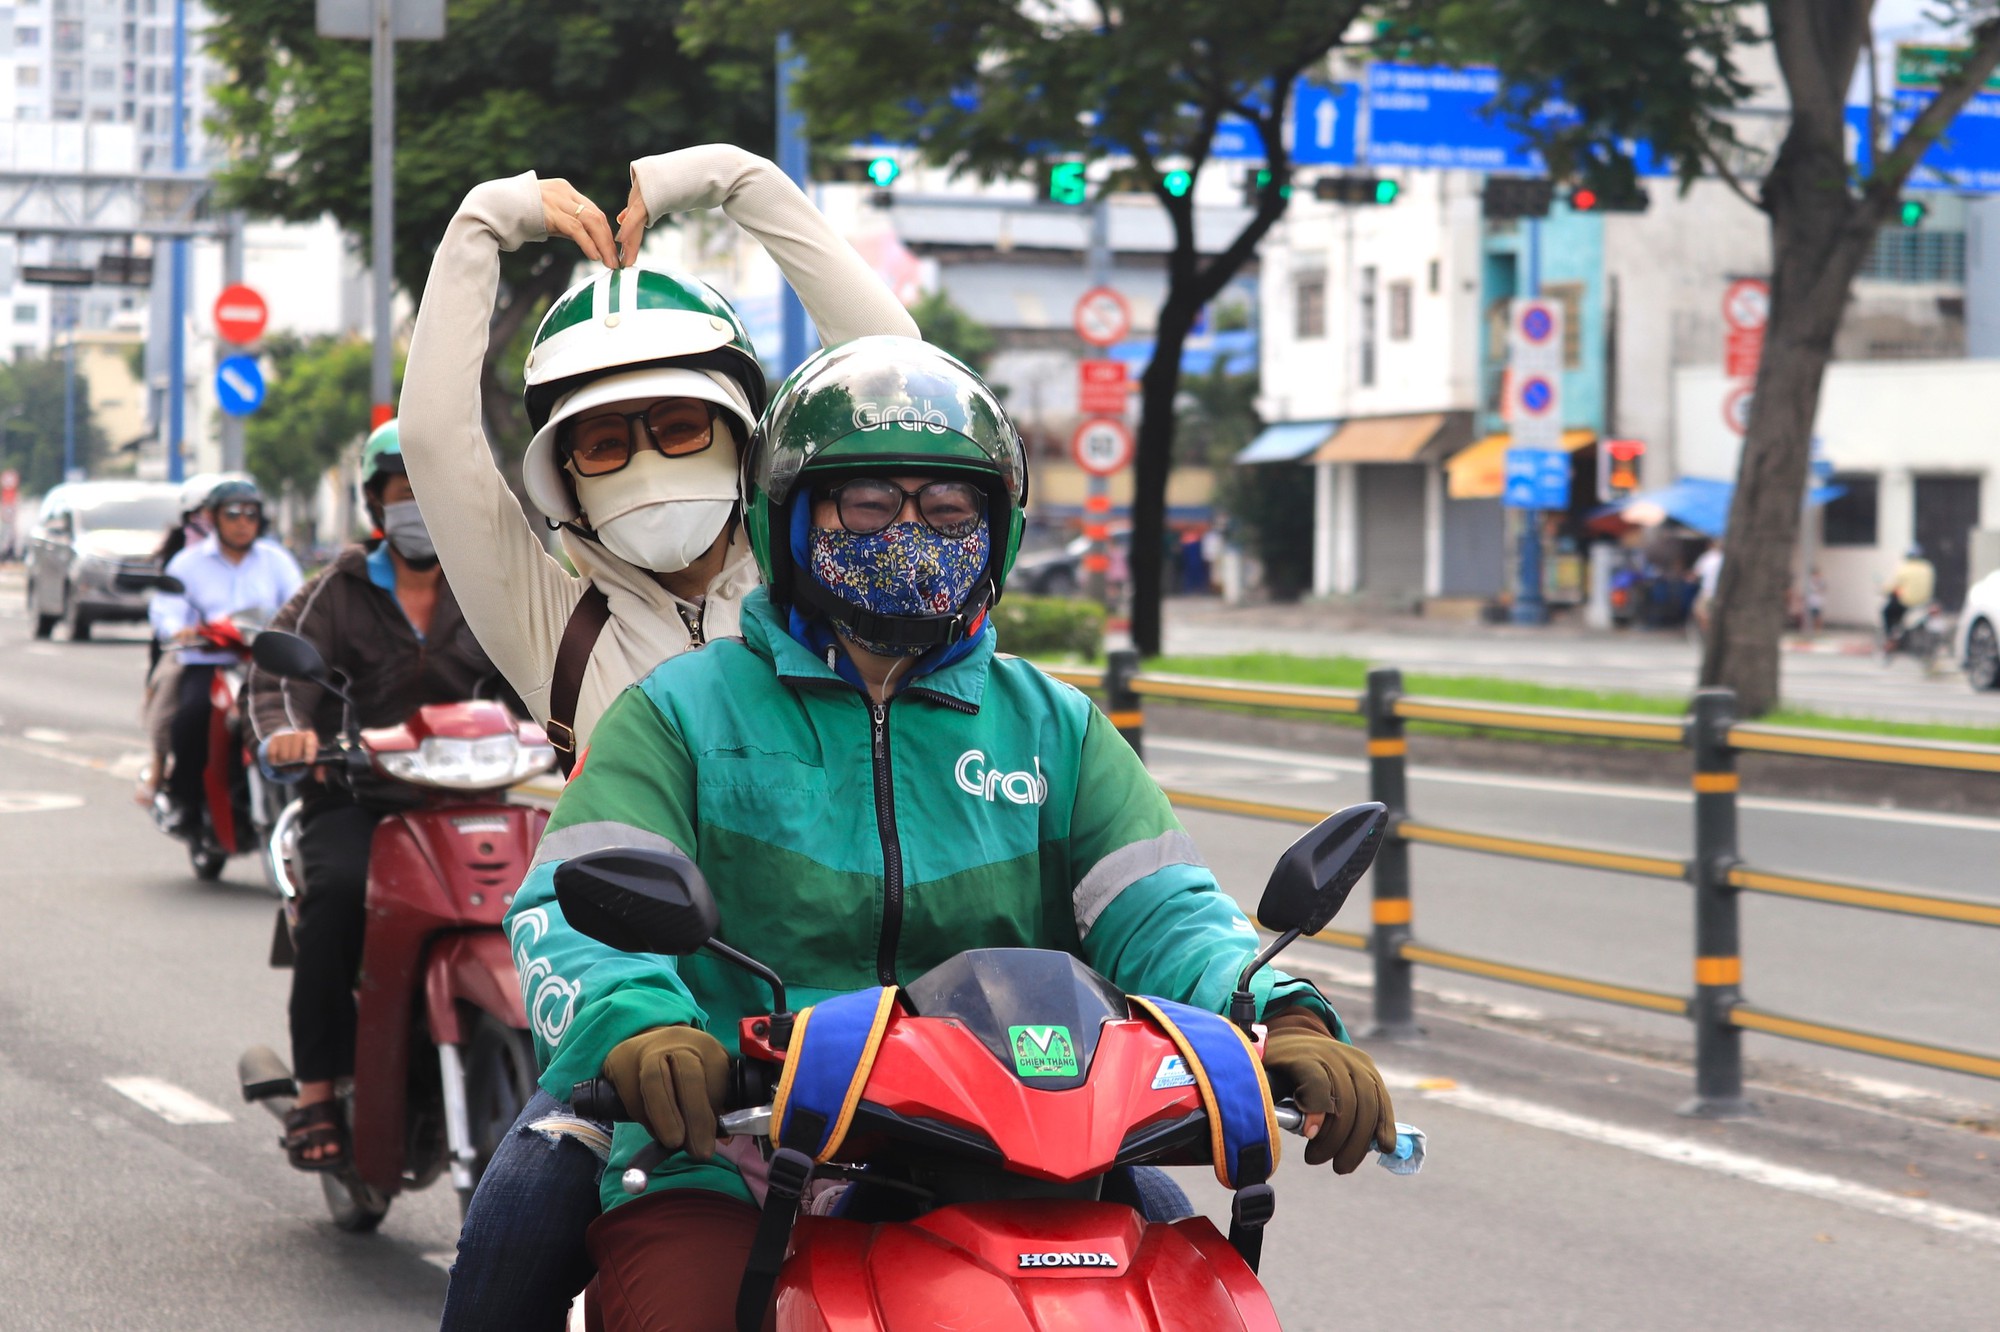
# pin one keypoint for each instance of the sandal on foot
(315, 1128)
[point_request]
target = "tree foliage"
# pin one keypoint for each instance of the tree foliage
(315, 411)
(31, 423)
(998, 88)
(944, 324)
(576, 90)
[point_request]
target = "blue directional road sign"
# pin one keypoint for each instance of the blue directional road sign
(239, 385)
(1324, 121)
(1536, 479)
(1964, 160)
(1446, 116)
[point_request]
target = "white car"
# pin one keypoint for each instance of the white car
(1979, 633)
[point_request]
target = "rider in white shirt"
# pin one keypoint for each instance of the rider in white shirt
(234, 571)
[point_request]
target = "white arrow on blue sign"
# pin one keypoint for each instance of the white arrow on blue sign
(1536, 479)
(239, 385)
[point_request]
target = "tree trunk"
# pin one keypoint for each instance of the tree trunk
(1158, 389)
(1819, 236)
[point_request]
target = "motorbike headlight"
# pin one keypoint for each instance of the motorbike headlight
(468, 765)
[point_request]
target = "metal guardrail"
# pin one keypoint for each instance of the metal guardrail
(1715, 871)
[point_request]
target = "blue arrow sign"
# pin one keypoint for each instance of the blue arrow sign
(1446, 116)
(1324, 121)
(1536, 479)
(1964, 160)
(239, 385)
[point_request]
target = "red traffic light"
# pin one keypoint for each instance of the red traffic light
(1583, 200)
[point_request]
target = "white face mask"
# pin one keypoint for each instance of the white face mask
(664, 513)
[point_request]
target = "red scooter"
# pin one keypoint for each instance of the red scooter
(442, 1061)
(973, 1178)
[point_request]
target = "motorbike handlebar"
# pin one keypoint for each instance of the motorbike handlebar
(597, 1098)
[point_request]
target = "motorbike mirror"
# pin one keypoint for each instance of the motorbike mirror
(1311, 881)
(288, 656)
(638, 901)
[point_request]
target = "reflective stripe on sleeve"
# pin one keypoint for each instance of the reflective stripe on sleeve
(603, 835)
(1125, 867)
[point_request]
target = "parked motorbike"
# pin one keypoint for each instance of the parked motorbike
(1923, 636)
(966, 1184)
(443, 1061)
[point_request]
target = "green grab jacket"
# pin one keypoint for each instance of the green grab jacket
(850, 844)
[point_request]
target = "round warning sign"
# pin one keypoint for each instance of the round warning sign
(240, 314)
(1102, 317)
(1736, 409)
(1102, 447)
(1746, 306)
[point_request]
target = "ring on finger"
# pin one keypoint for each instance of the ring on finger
(581, 205)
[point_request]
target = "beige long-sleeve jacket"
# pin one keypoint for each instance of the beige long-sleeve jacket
(515, 595)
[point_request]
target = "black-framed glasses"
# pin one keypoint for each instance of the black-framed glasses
(240, 511)
(868, 504)
(601, 443)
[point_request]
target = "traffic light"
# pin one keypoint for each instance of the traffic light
(1066, 185)
(1592, 199)
(1912, 212)
(1618, 468)
(1177, 183)
(1505, 197)
(882, 171)
(1357, 189)
(1254, 183)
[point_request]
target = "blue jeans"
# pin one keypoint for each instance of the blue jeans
(521, 1256)
(521, 1253)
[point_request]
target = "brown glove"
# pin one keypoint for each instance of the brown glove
(1329, 1077)
(672, 1080)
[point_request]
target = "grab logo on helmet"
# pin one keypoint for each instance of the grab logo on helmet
(874, 416)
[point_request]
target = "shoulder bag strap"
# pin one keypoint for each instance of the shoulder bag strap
(586, 622)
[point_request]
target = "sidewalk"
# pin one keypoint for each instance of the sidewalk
(1835, 673)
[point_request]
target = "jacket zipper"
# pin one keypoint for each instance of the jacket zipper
(892, 851)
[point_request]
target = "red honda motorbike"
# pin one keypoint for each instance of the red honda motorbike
(442, 1061)
(969, 1186)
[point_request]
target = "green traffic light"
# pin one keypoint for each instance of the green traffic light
(883, 171)
(1386, 191)
(1066, 183)
(1913, 212)
(1177, 183)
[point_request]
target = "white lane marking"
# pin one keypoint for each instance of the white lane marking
(42, 735)
(55, 754)
(1912, 817)
(174, 1104)
(1702, 1156)
(35, 802)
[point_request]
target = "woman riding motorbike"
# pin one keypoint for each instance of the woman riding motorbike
(385, 618)
(886, 511)
(655, 364)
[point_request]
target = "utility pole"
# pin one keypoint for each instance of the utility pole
(177, 334)
(70, 470)
(232, 274)
(1529, 607)
(383, 219)
(1097, 495)
(792, 160)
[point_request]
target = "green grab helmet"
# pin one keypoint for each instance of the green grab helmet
(382, 455)
(874, 405)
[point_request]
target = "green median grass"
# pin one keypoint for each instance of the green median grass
(1352, 673)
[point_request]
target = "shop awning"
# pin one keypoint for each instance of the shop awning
(1696, 502)
(1287, 441)
(1479, 470)
(1381, 439)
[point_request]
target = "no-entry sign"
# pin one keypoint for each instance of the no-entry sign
(240, 314)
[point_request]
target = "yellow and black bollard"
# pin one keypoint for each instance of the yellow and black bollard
(1718, 963)
(1388, 751)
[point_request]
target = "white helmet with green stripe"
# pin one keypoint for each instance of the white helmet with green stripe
(675, 328)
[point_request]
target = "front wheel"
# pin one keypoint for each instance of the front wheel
(499, 1079)
(355, 1207)
(1982, 657)
(76, 618)
(206, 860)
